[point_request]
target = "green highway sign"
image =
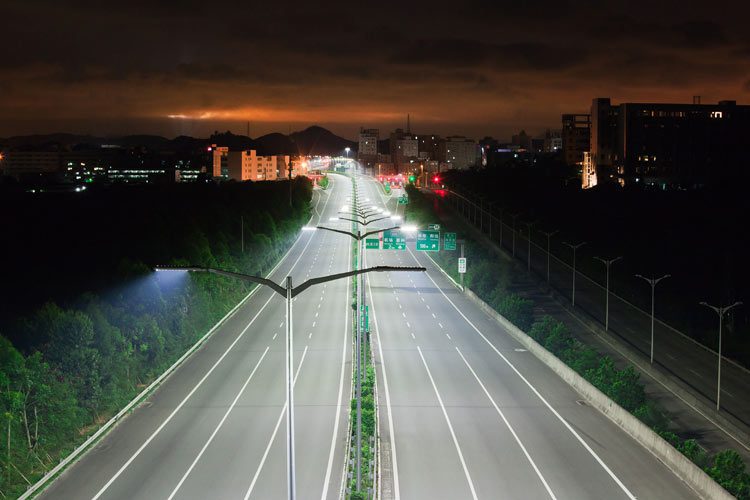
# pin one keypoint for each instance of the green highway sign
(394, 240)
(428, 241)
(433, 227)
(372, 243)
(449, 241)
(403, 200)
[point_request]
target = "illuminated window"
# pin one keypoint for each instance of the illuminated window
(716, 114)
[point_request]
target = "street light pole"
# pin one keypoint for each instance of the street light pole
(574, 247)
(607, 263)
(289, 293)
(721, 311)
(653, 282)
(548, 234)
(515, 216)
(290, 464)
(529, 225)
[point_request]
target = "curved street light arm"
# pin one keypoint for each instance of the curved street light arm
(323, 279)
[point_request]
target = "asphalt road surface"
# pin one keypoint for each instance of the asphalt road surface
(216, 427)
(465, 412)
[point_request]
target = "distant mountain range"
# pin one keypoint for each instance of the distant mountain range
(311, 141)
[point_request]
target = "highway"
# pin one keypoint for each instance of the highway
(216, 427)
(465, 412)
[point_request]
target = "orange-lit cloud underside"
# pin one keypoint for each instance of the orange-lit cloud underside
(489, 70)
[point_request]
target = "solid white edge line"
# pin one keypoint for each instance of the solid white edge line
(331, 453)
(541, 398)
(450, 427)
(178, 407)
(218, 427)
(171, 415)
(275, 431)
(507, 424)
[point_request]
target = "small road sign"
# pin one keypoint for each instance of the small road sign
(462, 265)
(433, 227)
(449, 241)
(372, 243)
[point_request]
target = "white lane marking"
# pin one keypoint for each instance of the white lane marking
(309, 336)
(449, 337)
(396, 296)
(316, 314)
(419, 293)
(274, 336)
(440, 325)
(318, 306)
(412, 336)
(218, 427)
(433, 315)
(344, 344)
(519, 350)
(427, 306)
(314, 324)
(695, 372)
(510, 427)
(450, 427)
(403, 314)
(275, 430)
(407, 324)
(400, 307)
(200, 382)
(394, 461)
(533, 389)
(179, 406)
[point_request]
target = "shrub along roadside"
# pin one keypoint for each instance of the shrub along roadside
(490, 281)
(69, 364)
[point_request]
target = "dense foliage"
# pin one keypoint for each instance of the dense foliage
(97, 325)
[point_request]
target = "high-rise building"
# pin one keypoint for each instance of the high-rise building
(459, 152)
(669, 145)
(367, 152)
(576, 131)
(219, 155)
(404, 149)
(552, 141)
(429, 146)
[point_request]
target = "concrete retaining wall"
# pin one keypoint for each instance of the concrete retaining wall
(678, 463)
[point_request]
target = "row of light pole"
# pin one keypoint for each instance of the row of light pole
(289, 292)
(721, 311)
(362, 217)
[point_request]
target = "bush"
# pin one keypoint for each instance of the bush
(517, 310)
(729, 471)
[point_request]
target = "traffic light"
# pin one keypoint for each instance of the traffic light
(412, 179)
(436, 179)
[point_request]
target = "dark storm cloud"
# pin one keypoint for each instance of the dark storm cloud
(482, 62)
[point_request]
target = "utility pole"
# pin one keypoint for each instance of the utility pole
(721, 311)
(242, 234)
(529, 225)
(574, 248)
(515, 216)
(653, 282)
(607, 263)
(548, 234)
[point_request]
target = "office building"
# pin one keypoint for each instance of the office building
(576, 131)
(404, 149)
(669, 145)
(219, 157)
(458, 152)
(367, 152)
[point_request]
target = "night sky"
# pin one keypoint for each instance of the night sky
(474, 68)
